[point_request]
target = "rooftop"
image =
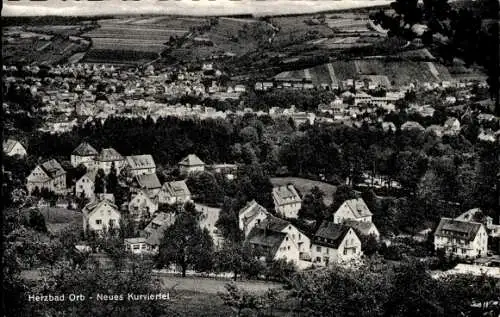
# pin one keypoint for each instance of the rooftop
(191, 160)
(85, 149)
(330, 234)
(109, 155)
(453, 228)
(144, 161)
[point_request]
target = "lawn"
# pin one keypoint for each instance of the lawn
(57, 219)
(304, 186)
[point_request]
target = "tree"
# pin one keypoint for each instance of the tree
(313, 205)
(112, 180)
(100, 181)
(342, 194)
(239, 300)
(185, 243)
(37, 221)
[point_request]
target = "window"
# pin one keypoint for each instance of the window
(464, 251)
(327, 250)
(318, 259)
(345, 251)
(136, 246)
(286, 238)
(288, 247)
(300, 236)
(318, 249)
(98, 221)
(111, 222)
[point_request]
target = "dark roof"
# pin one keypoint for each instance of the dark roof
(330, 234)
(144, 161)
(191, 160)
(267, 241)
(85, 149)
(362, 226)
(53, 168)
(109, 155)
(452, 228)
(273, 224)
(148, 181)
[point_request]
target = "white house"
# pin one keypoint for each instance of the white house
(141, 205)
(251, 215)
(287, 201)
(451, 126)
(110, 157)
(174, 192)
(100, 215)
(275, 224)
(477, 215)
(137, 245)
(13, 147)
(84, 154)
(86, 185)
(140, 165)
(191, 164)
(353, 209)
(49, 175)
(363, 227)
(465, 239)
(334, 243)
(271, 245)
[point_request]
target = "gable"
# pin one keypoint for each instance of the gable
(38, 174)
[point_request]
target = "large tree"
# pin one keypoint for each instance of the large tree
(186, 244)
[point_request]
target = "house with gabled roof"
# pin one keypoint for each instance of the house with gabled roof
(464, 239)
(49, 175)
(353, 209)
(272, 245)
(287, 201)
(334, 243)
(477, 215)
(140, 164)
(100, 215)
(86, 185)
(275, 224)
(155, 230)
(250, 215)
(137, 245)
(148, 183)
(12, 148)
(364, 228)
(109, 157)
(84, 154)
(142, 206)
(175, 192)
(191, 164)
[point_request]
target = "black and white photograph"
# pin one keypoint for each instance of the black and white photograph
(252, 158)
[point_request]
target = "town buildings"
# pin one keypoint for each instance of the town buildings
(49, 175)
(84, 154)
(191, 164)
(463, 239)
(140, 165)
(334, 243)
(86, 185)
(100, 216)
(13, 148)
(175, 192)
(109, 158)
(251, 215)
(287, 201)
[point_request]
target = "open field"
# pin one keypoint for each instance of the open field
(304, 186)
(210, 285)
(58, 219)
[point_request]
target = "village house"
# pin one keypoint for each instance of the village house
(108, 158)
(148, 183)
(191, 164)
(271, 245)
(13, 147)
(137, 245)
(275, 224)
(334, 243)
(287, 201)
(251, 215)
(140, 165)
(49, 175)
(353, 209)
(155, 230)
(84, 154)
(363, 228)
(464, 239)
(86, 185)
(100, 215)
(477, 215)
(175, 192)
(141, 206)
(451, 126)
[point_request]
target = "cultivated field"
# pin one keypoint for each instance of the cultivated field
(304, 186)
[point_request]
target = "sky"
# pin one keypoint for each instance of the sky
(176, 7)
